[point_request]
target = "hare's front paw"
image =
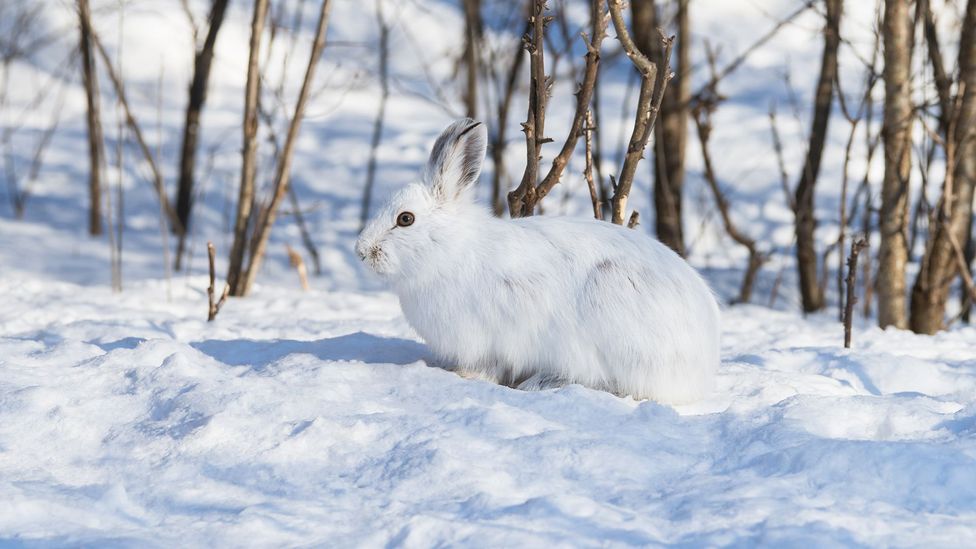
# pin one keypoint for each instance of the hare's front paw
(541, 381)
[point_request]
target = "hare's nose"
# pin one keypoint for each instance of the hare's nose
(361, 250)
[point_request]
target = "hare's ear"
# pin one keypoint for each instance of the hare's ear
(455, 161)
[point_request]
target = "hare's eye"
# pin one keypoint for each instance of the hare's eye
(405, 219)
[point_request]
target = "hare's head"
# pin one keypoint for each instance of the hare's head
(424, 219)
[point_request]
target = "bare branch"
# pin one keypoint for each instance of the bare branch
(96, 143)
(202, 61)
(245, 201)
(645, 66)
(634, 220)
(778, 149)
(523, 200)
(265, 221)
(583, 98)
(653, 84)
(214, 307)
(856, 248)
(702, 117)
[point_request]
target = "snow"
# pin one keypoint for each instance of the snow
(315, 418)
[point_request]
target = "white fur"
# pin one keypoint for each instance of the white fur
(542, 301)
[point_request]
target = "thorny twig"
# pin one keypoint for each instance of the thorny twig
(653, 84)
(523, 200)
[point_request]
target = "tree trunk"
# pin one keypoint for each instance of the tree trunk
(245, 201)
(472, 44)
(266, 218)
(671, 133)
(811, 290)
(893, 254)
(95, 142)
(654, 83)
(939, 266)
(198, 95)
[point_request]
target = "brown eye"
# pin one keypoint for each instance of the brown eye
(405, 219)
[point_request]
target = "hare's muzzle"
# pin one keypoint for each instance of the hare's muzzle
(361, 249)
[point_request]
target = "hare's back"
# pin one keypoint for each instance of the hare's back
(590, 242)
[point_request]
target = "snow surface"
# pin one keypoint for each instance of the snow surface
(314, 419)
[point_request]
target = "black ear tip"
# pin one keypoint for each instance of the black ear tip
(473, 125)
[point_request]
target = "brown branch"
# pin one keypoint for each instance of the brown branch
(702, 117)
(634, 220)
(474, 29)
(96, 144)
(259, 241)
(646, 67)
(653, 84)
(851, 300)
(214, 307)
(943, 83)
(962, 265)
(202, 62)
(778, 149)
(269, 121)
(524, 199)
(804, 212)
(245, 201)
(671, 130)
(521, 201)
(583, 98)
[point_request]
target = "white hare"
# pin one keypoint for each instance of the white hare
(540, 301)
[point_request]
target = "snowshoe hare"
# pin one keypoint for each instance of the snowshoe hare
(540, 301)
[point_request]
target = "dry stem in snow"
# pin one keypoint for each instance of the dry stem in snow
(856, 248)
(215, 306)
